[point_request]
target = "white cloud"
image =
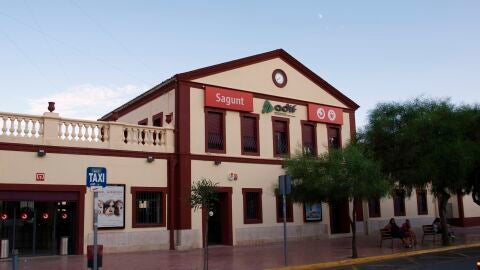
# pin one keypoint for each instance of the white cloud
(86, 101)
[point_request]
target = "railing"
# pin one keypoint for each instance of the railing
(52, 130)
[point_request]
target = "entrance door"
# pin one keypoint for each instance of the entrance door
(36, 227)
(339, 217)
(220, 223)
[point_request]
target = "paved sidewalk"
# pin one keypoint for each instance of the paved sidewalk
(245, 257)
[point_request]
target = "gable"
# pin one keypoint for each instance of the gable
(257, 77)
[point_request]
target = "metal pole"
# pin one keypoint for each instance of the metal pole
(14, 251)
(95, 231)
(284, 227)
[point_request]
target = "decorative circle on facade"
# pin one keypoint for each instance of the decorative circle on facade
(321, 113)
(332, 115)
(279, 78)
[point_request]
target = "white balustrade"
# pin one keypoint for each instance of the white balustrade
(20, 126)
(51, 129)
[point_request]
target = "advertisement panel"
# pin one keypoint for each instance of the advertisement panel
(228, 99)
(110, 207)
(313, 212)
(325, 114)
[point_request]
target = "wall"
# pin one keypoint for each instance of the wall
(233, 131)
(411, 211)
(254, 176)
(69, 169)
(470, 208)
(258, 78)
(165, 103)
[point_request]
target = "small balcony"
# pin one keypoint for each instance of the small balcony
(53, 130)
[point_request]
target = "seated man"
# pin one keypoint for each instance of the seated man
(437, 227)
(397, 232)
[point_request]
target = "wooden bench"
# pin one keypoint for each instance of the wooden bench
(428, 230)
(385, 234)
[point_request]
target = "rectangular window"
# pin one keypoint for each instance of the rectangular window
(358, 210)
(157, 120)
(280, 208)
(252, 205)
(249, 125)
(148, 205)
(399, 203)
(281, 139)
(215, 131)
(374, 208)
(422, 205)
(143, 122)
(334, 137)
(309, 140)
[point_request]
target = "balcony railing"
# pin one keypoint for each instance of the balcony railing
(52, 130)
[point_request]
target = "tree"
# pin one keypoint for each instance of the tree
(426, 142)
(343, 174)
(203, 196)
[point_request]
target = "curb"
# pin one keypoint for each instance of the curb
(370, 259)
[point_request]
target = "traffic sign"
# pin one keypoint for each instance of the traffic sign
(96, 177)
(285, 184)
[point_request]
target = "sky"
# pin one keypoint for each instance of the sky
(92, 56)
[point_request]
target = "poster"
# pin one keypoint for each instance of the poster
(313, 212)
(110, 207)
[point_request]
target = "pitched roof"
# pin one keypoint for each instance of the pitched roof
(206, 71)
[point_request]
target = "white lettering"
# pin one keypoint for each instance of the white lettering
(229, 100)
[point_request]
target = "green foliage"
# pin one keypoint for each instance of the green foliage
(203, 194)
(342, 174)
(424, 142)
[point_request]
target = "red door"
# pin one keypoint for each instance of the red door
(339, 217)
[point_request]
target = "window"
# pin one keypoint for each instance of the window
(215, 131)
(143, 122)
(334, 137)
(157, 120)
(358, 210)
(422, 206)
(399, 203)
(249, 123)
(374, 208)
(252, 205)
(309, 140)
(148, 205)
(281, 143)
(280, 208)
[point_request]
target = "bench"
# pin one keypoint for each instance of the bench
(428, 230)
(385, 234)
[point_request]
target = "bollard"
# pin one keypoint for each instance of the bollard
(64, 246)
(4, 249)
(15, 259)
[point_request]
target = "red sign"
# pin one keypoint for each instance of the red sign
(325, 114)
(4, 216)
(40, 176)
(228, 99)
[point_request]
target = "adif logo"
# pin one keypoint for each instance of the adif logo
(267, 107)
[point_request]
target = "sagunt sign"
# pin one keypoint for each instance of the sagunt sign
(228, 99)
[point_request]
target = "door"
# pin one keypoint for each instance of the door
(339, 217)
(36, 227)
(220, 223)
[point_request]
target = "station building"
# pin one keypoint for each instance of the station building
(233, 123)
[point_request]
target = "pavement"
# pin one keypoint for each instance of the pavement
(454, 259)
(305, 252)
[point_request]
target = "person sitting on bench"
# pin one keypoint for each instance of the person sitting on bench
(407, 230)
(397, 232)
(437, 227)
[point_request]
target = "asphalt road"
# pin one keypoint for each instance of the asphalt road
(451, 260)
